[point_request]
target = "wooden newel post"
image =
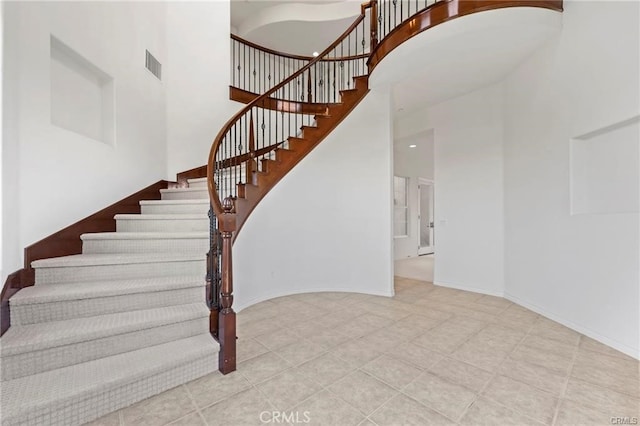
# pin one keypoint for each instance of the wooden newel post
(226, 316)
(213, 292)
(374, 24)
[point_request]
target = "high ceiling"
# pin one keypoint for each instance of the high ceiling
(463, 55)
(292, 26)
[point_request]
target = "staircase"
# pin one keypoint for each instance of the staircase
(122, 321)
(133, 315)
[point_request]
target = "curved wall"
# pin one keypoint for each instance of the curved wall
(326, 226)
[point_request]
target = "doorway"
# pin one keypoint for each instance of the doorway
(426, 244)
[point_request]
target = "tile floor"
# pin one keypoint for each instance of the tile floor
(417, 268)
(430, 355)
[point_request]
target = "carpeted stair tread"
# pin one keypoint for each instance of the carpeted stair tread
(92, 383)
(34, 337)
(113, 259)
(162, 202)
(185, 190)
(167, 216)
(144, 235)
(91, 290)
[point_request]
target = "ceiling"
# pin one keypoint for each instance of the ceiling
(293, 26)
(463, 55)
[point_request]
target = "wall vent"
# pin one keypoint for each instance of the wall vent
(152, 64)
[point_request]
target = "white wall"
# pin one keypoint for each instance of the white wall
(10, 159)
(469, 188)
(413, 163)
(2, 192)
(319, 231)
(581, 270)
(197, 79)
(63, 176)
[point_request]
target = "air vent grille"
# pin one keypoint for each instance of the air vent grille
(152, 64)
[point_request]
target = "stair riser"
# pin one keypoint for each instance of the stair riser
(162, 225)
(185, 195)
(198, 184)
(109, 398)
(74, 274)
(64, 310)
(25, 364)
(169, 245)
(175, 208)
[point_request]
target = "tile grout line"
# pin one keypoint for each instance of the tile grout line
(193, 402)
(496, 373)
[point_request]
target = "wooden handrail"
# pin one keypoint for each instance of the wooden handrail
(293, 56)
(270, 51)
(213, 194)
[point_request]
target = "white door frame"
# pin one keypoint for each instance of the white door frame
(426, 249)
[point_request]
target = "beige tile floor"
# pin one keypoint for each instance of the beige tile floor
(417, 268)
(430, 355)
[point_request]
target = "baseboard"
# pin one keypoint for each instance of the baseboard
(628, 350)
(240, 307)
(468, 288)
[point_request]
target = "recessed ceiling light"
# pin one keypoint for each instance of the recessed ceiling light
(315, 53)
(412, 146)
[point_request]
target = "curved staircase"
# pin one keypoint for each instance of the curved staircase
(122, 321)
(132, 315)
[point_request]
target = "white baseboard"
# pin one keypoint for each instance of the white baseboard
(632, 352)
(468, 288)
(240, 306)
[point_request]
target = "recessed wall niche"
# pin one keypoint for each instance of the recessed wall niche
(82, 95)
(605, 176)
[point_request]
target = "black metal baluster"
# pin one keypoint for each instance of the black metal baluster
(333, 87)
(233, 63)
(234, 153)
(349, 61)
(395, 16)
(363, 44)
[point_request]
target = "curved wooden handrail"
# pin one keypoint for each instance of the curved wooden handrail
(270, 51)
(276, 104)
(441, 12)
(293, 56)
(216, 203)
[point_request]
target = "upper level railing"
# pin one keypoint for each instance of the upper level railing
(392, 13)
(256, 69)
(253, 132)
